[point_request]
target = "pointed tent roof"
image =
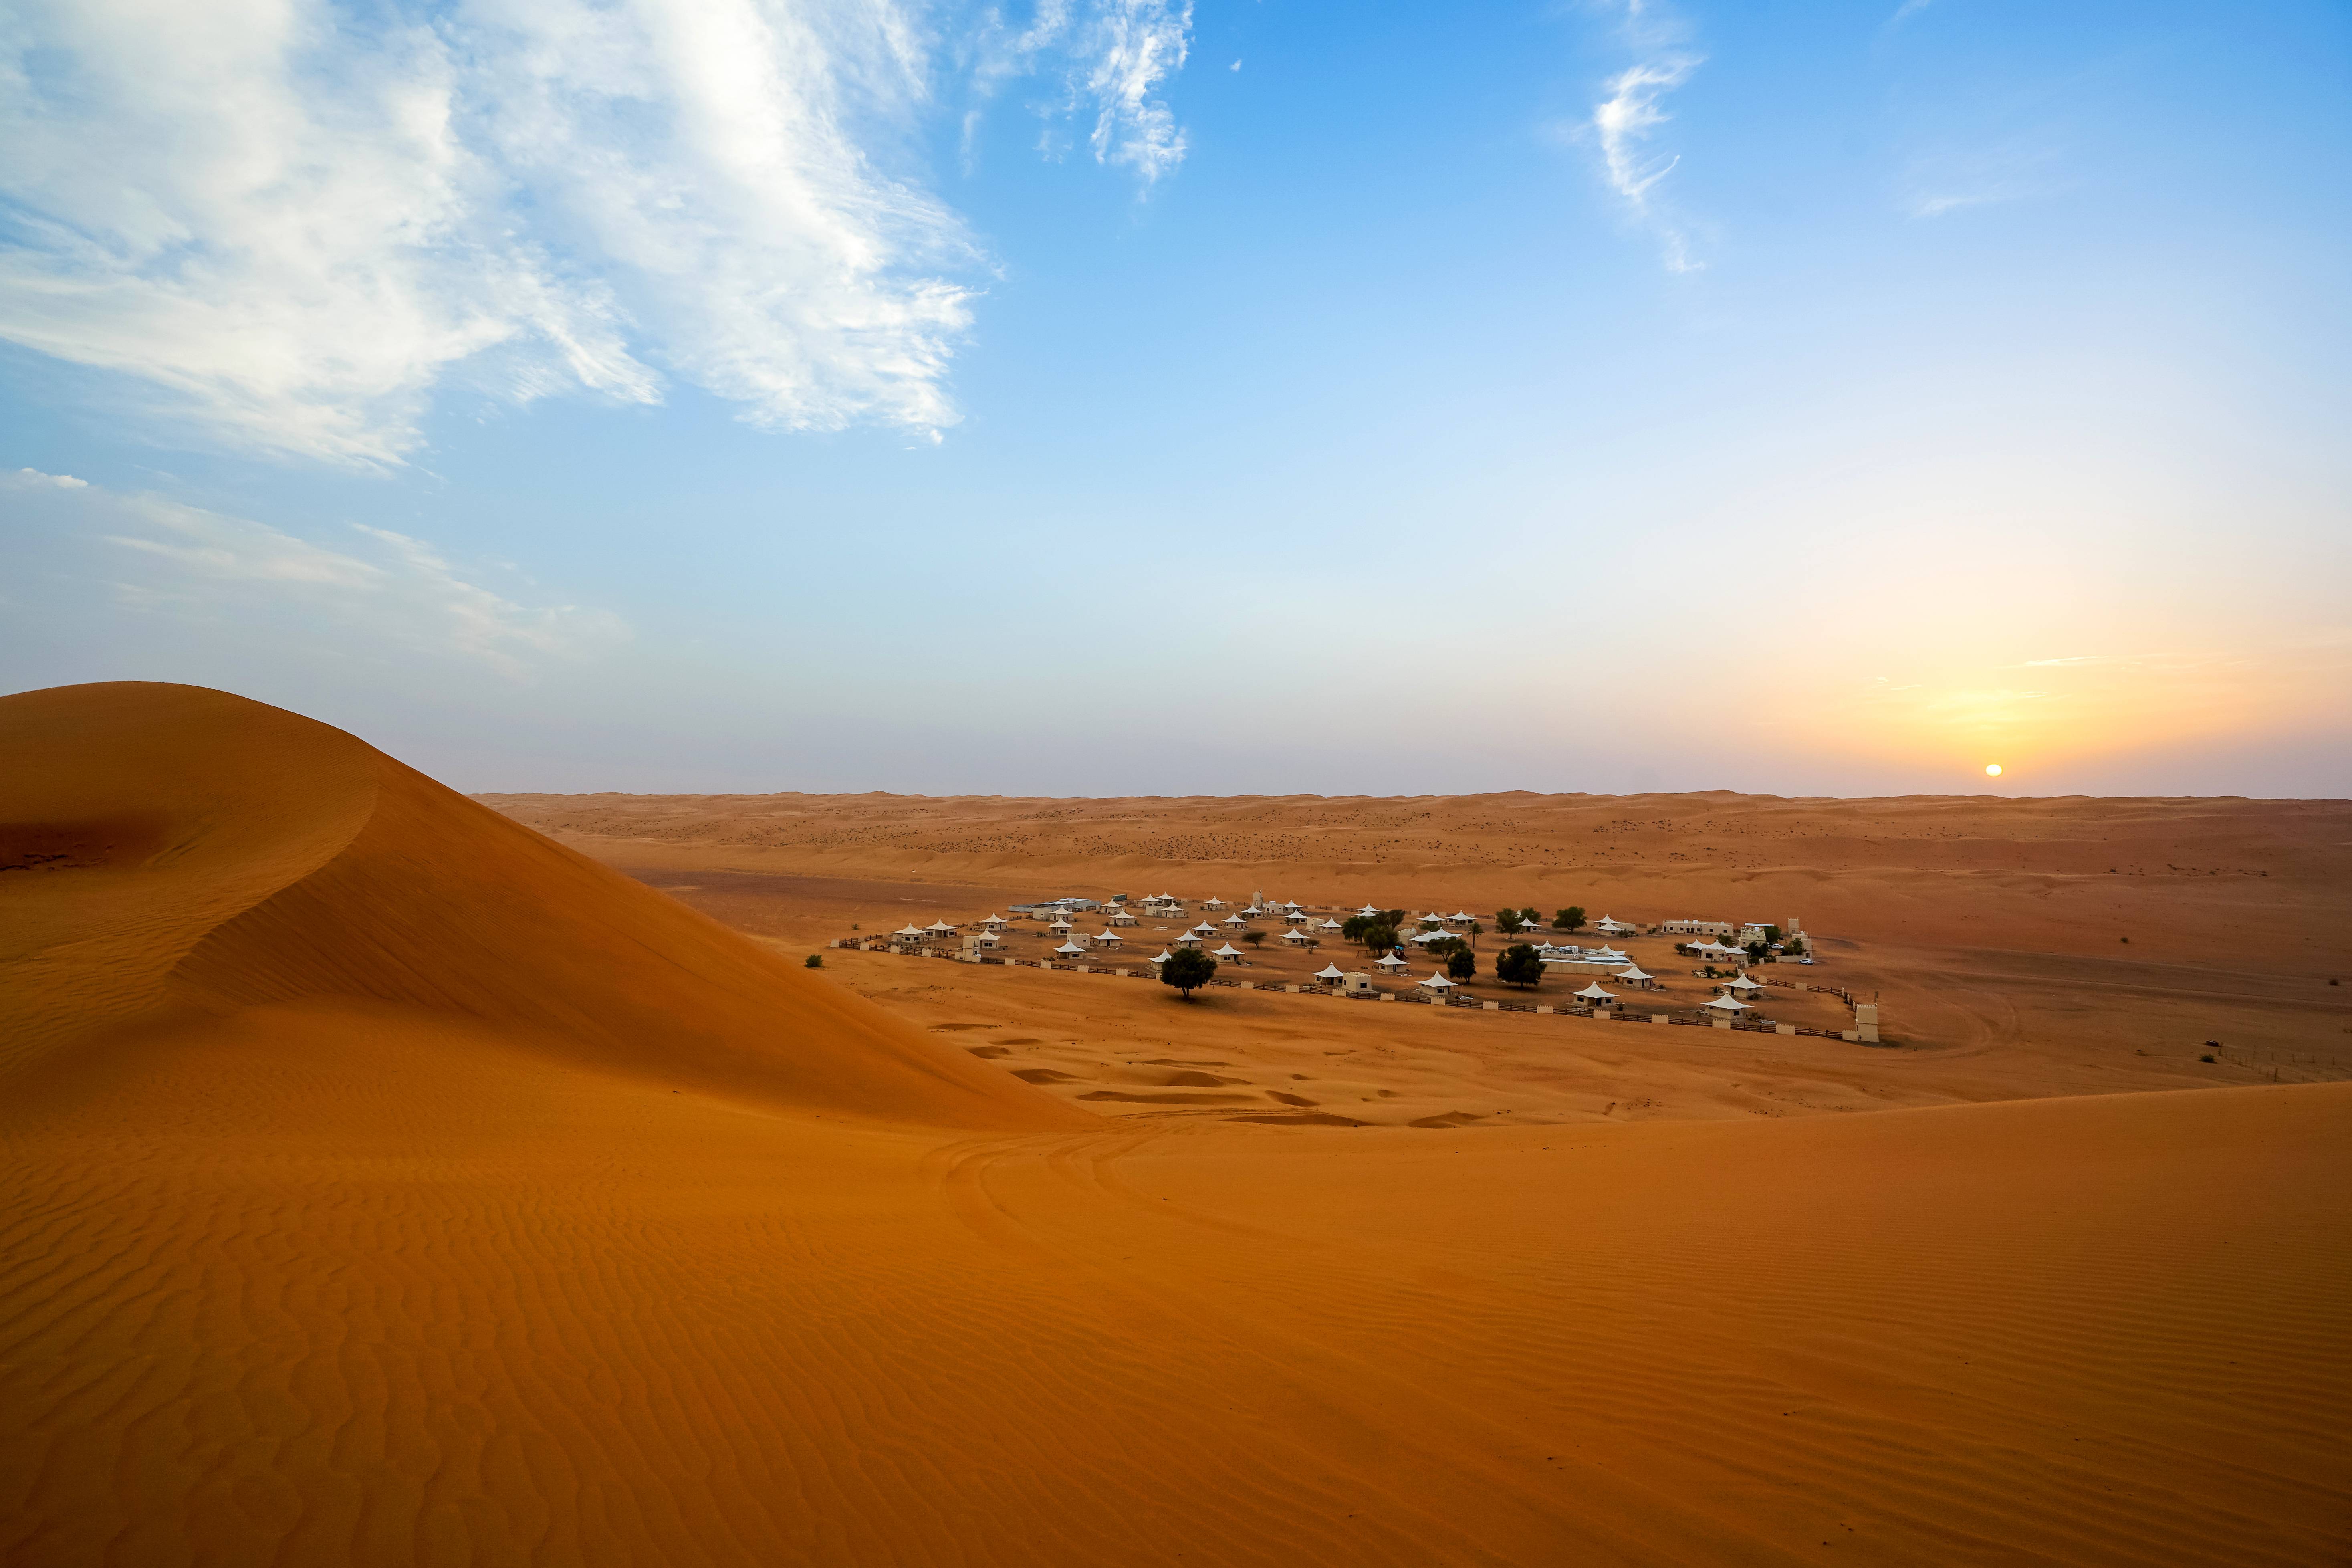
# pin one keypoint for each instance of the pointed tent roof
(909, 929)
(1390, 961)
(1438, 983)
(1461, 915)
(939, 925)
(1597, 993)
(1187, 939)
(1070, 947)
(1228, 950)
(1726, 1004)
(1330, 925)
(1110, 936)
(1205, 929)
(1368, 912)
(1164, 955)
(1633, 971)
(994, 920)
(1329, 971)
(1294, 934)
(1741, 984)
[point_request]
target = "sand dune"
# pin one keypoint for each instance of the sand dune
(384, 1183)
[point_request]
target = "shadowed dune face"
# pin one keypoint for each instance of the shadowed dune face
(381, 1184)
(186, 854)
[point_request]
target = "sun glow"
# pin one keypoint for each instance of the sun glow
(1992, 770)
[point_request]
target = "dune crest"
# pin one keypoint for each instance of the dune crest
(182, 854)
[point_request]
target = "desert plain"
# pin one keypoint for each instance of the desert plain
(393, 1176)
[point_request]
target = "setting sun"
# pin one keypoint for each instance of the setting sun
(1992, 770)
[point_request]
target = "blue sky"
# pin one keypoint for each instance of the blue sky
(1119, 397)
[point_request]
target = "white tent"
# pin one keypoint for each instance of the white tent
(1163, 956)
(1213, 903)
(941, 928)
(996, 923)
(1331, 972)
(1388, 962)
(1739, 985)
(1465, 916)
(1205, 929)
(1061, 925)
(1110, 939)
(1608, 927)
(1294, 916)
(1593, 993)
(1187, 939)
(1727, 1005)
(908, 930)
(1073, 949)
(1368, 912)
(1609, 955)
(1330, 925)
(1437, 983)
(1632, 975)
(1229, 953)
(1120, 918)
(1232, 922)
(1425, 938)
(1295, 937)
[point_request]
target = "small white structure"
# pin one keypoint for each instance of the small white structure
(1438, 983)
(1213, 903)
(1120, 916)
(1295, 916)
(1632, 975)
(1162, 956)
(1110, 938)
(1297, 938)
(1234, 923)
(1463, 917)
(1332, 926)
(1389, 963)
(1608, 927)
(939, 928)
(1252, 912)
(996, 923)
(908, 932)
(1330, 974)
(1368, 912)
(1357, 983)
(1426, 937)
(1740, 985)
(979, 942)
(1726, 1007)
(1594, 994)
(1228, 953)
(1069, 949)
(1187, 939)
(1715, 949)
(1059, 927)
(1205, 929)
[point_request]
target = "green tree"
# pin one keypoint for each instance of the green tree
(1570, 918)
(1253, 937)
(1531, 917)
(1772, 935)
(1392, 917)
(1507, 921)
(1520, 964)
(1378, 937)
(1461, 966)
(1354, 927)
(1756, 951)
(815, 960)
(1187, 969)
(1446, 947)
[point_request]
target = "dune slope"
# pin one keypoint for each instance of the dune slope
(180, 854)
(379, 1187)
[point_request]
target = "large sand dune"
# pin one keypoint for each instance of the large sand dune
(385, 1184)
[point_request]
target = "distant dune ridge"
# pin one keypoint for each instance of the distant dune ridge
(382, 1183)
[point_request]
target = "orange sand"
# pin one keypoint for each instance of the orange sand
(386, 1184)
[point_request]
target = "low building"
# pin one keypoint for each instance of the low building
(1695, 928)
(1330, 974)
(1389, 963)
(980, 941)
(1228, 953)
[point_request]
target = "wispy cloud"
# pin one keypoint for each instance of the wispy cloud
(1623, 123)
(296, 221)
(389, 589)
(1109, 59)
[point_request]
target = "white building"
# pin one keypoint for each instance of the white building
(1228, 953)
(1070, 950)
(1439, 984)
(1695, 928)
(1726, 1007)
(1330, 974)
(996, 922)
(1120, 916)
(1594, 994)
(1212, 904)
(1632, 975)
(1389, 963)
(1110, 938)
(1297, 938)
(1608, 927)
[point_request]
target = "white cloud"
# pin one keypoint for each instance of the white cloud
(297, 219)
(1622, 123)
(393, 590)
(1110, 57)
(62, 482)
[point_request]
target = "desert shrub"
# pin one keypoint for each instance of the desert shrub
(1253, 937)
(1570, 918)
(1520, 964)
(815, 960)
(1187, 969)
